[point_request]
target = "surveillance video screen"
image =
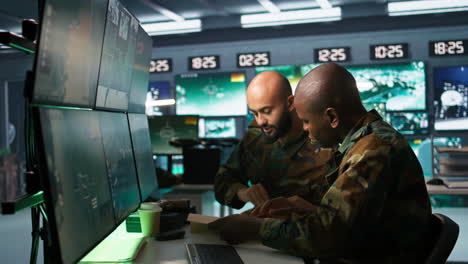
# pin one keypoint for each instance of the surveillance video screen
(379, 107)
(409, 123)
(165, 128)
(401, 87)
(140, 74)
(217, 127)
(211, 94)
(157, 91)
(69, 52)
(118, 55)
(77, 192)
(120, 164)
(141, 142)
(451, 98)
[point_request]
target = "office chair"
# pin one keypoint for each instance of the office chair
(445, 235)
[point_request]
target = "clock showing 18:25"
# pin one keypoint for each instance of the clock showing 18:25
(448, 47)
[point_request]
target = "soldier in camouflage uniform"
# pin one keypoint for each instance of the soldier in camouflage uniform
(377, 208)
(275, 154)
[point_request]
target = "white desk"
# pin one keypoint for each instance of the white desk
(174, 252)
(442, 189)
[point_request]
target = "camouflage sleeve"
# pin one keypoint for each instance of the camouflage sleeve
(355, 198)
(230, 179)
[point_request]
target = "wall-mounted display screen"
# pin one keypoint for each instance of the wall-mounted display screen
(164, 128)
(211, 94)
(157, 98)
(451, 98)
(217, 127)
(401, 87)
(379, 107)
(409, 123)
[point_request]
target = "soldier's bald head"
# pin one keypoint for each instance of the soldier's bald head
(328, 103)
(269, 97)
(269, 84)
(329, 85)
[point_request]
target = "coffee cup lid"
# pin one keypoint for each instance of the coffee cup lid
(150, 206)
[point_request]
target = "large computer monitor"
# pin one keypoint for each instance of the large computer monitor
(68, 57)
(409, 123)
(217, 127)
(211, 94)
(142, 151)
(140, 74)
(165, 128)
(118, 54)
(401, 87)
(451, 98)
(120, 163)
(157, 98)
(73, 169)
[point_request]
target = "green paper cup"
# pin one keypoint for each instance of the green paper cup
(150, 214)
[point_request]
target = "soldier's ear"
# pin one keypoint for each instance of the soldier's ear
(332, 116)
(291, 103)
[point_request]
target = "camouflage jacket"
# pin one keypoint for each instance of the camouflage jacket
(376, 210)
(291, 167)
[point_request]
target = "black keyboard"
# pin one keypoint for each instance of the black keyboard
(212, 254)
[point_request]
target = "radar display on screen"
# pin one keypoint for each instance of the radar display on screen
(159, 90)
(164, 128)
(401, 87)
(118, 54)
(211, 94)
(69, 52)
(141, 142)
(120, 163)
(140, 74)
(217, 127)
(409, 123)
(78, 198)
(451, 98)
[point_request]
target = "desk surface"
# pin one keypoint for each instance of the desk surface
(442, 189)
(174, 252)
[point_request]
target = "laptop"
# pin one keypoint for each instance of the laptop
(212, 254)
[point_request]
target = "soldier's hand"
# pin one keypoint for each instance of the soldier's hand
(255, 194)
(283, 208)
(237, 228)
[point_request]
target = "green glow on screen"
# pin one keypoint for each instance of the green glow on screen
(211, 94)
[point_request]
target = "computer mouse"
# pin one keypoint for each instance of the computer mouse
(436, 181)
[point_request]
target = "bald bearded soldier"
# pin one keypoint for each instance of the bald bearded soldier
(275, 155)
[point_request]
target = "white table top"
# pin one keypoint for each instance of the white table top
(174, 251)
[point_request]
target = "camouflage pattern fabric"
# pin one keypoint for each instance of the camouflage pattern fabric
(376, 210)
(292, 167)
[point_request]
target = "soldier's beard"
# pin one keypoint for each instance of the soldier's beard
(280, 129)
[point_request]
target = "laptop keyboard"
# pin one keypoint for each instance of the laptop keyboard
(213, 254)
